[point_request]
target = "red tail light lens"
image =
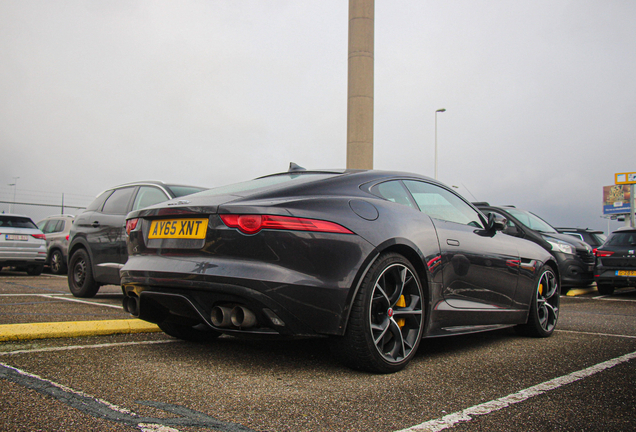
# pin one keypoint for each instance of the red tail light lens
(251, 224)
(601, 254)
(39, 236)
(131, 224)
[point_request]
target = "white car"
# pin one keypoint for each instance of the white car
(22, 244)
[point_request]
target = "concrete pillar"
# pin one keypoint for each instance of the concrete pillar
(360, 85)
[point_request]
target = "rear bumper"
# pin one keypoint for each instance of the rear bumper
(186, 291)
(609, 277)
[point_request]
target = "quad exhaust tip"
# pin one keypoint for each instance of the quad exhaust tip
(238, 316)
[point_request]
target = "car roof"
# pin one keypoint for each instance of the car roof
(587, 230)
(59, 216)
(150, 183)
(623, 229)
(15, 215)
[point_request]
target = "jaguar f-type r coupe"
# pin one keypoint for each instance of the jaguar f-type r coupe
(374, 260)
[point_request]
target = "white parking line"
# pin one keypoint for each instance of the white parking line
(596, 334)
(54, 296)
(63, 297)
(451, 420)
(76, 347)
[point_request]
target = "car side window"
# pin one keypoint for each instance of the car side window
(393, 191)
(59, 226)
(117, 203)
(98, 202)
(442, 204)
(148, 196)
(511, 228)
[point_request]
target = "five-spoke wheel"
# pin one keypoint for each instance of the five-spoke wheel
(57, 263)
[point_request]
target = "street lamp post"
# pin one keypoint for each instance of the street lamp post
(438, 111)
(15, 186)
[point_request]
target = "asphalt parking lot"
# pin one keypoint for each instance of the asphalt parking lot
(118, 376)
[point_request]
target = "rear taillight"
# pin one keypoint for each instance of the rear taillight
(39, 236)
(131, 224)
(252, 224)
(601, 254)
(67, 236)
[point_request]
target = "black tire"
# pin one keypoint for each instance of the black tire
(387, 318)
(605, 288)
(544, 307)
(185, 332)
(56, 263)
(80, 275)
(35, 270)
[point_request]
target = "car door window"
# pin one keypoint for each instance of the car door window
(511, 227)
(148, 196)
(442, 204)
(117, 203)
(59, 226)
(393, 191)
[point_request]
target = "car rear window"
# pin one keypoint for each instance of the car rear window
(179, 191)
(17, 222)
(266, 182)
(622, 239)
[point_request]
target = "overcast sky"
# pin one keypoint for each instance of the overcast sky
(540, 96)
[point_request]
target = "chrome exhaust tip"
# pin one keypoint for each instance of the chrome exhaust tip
(131, 305)
(242, 317)
(221, 316)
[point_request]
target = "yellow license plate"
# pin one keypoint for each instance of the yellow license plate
(178, 228)
(625, 273)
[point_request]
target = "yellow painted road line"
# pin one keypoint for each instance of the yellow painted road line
(9, 332)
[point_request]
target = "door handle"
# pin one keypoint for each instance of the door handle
(95, 224)
(452, 242)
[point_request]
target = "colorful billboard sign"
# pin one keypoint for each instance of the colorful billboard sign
(616, 199)
(625, 178)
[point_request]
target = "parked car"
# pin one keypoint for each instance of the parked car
(22, 244)
(374, 260)
(575, 258)
(616, 261)
(57, 229)
(592, 237)
(97, 248)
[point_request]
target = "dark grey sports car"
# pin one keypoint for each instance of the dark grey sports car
(374, 260)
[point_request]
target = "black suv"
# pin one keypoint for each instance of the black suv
(97, 243)
(616, 261)
(575, 258)
(592, 237)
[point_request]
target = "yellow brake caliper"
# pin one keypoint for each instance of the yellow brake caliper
(401, 303)
(540, 289)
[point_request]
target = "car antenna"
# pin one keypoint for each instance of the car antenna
(293, 167)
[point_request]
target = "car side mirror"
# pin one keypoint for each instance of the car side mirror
(496, 222)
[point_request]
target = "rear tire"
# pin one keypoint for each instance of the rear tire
(544, 309)
(188, 333)
(57, 264)
(80, 275)
(35, 270)
(387, 318)
(605, 289)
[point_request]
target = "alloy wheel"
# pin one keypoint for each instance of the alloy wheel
(396, 313)
(548, 301)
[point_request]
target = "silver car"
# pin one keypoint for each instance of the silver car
(22, 244)
(56, 229)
